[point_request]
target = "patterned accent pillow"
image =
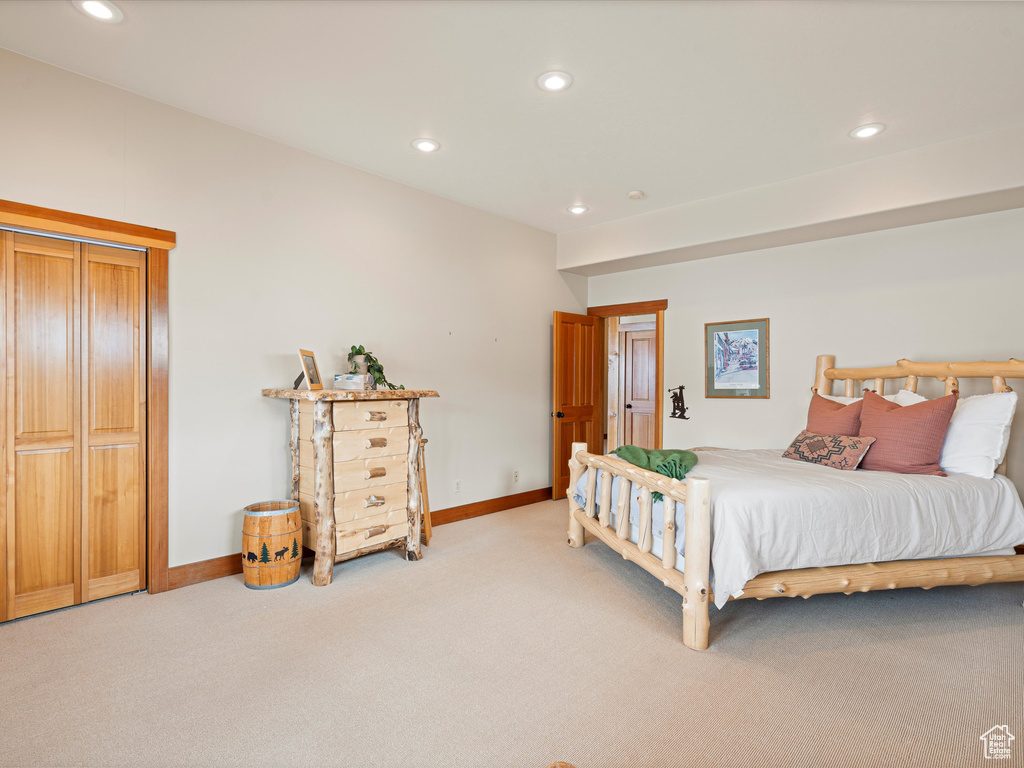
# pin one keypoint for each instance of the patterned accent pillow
(825, 417)
(836, 451)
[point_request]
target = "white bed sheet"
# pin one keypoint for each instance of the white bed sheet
(770, 514)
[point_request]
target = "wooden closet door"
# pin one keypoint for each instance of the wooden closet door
(113, 422)
(41, 512)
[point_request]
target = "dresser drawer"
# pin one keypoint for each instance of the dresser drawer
(369, 473)
(363, 444)
(371, 531)
(357, 534)
(371, 414)
(369, 502)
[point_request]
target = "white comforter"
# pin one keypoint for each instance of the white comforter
(770, 514)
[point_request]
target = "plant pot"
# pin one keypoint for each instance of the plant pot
(358, 363)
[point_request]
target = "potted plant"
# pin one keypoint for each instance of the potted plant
(361, 361)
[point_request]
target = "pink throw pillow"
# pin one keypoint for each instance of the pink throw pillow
(826, 417)
(908, 439)
(836, 451)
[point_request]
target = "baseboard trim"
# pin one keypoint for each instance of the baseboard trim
(205, 570)
(230, 565)
(466, 511)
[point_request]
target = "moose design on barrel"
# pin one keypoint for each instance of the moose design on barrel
(264, 556)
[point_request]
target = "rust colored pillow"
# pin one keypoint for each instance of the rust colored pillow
(836, 451)
(908, 439)
(827, 417)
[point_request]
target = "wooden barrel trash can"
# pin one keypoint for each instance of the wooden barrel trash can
(271, 544)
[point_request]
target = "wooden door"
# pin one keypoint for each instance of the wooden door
(575, 381)
(639, 388)
(73, 508)
(113, 422)
(43, 500)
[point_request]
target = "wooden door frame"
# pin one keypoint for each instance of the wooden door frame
(157, 243)
(609, 315)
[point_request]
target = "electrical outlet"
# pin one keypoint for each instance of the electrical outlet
(515, 476)
(458, 486)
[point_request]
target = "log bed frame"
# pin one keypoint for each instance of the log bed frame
(695, 493)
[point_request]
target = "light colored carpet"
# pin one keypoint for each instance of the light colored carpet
(503, 647)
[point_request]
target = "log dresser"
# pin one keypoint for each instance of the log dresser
(355, 471)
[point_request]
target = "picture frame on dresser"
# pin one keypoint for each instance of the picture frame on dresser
(311, 370)
(736, 359)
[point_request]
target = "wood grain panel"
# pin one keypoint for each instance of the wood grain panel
(353, 445)
(363, 503)
(574, 390)
(158, 573)
(635, 308)
(113, 408)
(114, 320)
(369, 473)
(44, 527)
(44, 345)
(6, 442)
(62, 222)
(639, 369)
(371, 415)
(115, 501)
(43, 600)
(352, 537)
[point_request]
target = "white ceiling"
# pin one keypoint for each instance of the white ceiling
(684, 100)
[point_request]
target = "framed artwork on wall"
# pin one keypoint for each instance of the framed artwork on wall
(736, 359)
(310, 369)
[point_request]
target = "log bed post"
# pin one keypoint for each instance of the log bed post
(414, 504)
(577, 537)
(822, 385)
(697, 563)
(323, 493)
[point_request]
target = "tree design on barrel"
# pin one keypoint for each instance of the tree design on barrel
(295, 548)
(264, 554)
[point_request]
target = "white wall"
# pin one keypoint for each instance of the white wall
(279, 249)
(963, 177)
(942, 291)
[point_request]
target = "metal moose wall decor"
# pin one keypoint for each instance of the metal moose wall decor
(678, 404)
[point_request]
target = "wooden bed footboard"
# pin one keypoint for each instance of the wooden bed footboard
(695, 583)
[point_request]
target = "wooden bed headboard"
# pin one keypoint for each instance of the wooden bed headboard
(949, 373)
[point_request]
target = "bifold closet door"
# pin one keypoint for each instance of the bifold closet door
(72, 514)
(113, 422)
(42, 456)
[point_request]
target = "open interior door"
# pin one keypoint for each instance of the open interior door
(576, 389)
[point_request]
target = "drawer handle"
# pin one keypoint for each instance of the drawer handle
(376, 415)
(377, 530)
(375, 501)
(377, 442)
(376, 472)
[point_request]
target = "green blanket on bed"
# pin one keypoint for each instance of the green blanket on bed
(674, 464)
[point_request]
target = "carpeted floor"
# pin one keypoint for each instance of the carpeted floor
(503, 647)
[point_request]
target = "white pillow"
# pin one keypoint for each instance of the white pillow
(903, 397)
(978, 434)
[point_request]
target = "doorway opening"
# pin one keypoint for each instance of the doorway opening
(609, 381)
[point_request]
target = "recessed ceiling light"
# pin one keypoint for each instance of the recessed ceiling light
(577, 209)
(867, 131)
(101, 10)
(636, 194)
(426, 145)
(554, 81)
